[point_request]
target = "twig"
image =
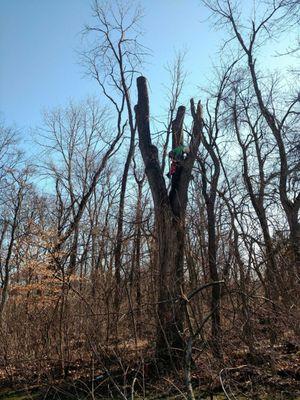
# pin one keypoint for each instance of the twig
(221, 380)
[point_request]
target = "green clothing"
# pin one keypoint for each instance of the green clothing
(178, 151)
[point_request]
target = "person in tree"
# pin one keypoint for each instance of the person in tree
(177, 155)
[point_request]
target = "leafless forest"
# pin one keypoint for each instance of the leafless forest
(119, 281)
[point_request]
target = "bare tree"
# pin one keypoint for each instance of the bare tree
(13, 185)
(170, 211)
(274, 18)
(17, 186)
(210, 173)
(79, 135)
(113, 62)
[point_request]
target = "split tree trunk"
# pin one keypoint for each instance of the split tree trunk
(170, 210)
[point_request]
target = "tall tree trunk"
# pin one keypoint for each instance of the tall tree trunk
(214, 276)
(170, 313)
(258, 200)
(170, 212)
(119, 241)
(14, 227)
(135, 276)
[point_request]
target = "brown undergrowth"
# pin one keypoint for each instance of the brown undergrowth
(122, 370)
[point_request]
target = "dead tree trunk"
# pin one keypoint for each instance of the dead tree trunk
(170, 210)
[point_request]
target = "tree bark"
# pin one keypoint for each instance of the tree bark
(170, 212)
(14, 227)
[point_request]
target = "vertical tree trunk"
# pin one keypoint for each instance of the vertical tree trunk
(209, 191)
(170, 209)
(14, 227)
(135, 278)
(119, 239)
(258, 200)
(170, 313)
(118, 251)
(214, 276)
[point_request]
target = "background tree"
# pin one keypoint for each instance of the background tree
(113, 61)
(270, 20)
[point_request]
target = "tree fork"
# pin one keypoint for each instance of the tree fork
(170, 224)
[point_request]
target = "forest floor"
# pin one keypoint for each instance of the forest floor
(274, 373)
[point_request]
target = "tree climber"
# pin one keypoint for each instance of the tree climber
(177, 155)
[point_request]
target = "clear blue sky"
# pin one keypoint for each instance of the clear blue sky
(38, 39)
(39, 66)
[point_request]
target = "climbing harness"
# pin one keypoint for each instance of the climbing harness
(175, 157)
